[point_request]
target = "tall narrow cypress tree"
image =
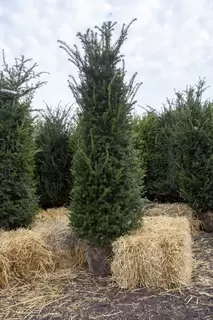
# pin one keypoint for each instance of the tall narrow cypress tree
(106, 199)
(18, 203)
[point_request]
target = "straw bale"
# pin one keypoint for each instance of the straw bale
(68, 250)
(23, 255)
(49, 245)
(55, 214)
(166, 223)
(176, 210)
(171, 209)
(158, 255)
(4, 270)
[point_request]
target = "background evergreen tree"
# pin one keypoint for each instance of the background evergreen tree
(192, 135)
(153, 141)
(106, 199)
(17, 191)
(176, 150)
(54, 157)
(139, 151)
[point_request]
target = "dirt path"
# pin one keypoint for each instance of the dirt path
(84, 297)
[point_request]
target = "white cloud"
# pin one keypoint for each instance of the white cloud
(169, 46)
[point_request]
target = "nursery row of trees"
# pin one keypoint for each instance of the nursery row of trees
(104, 162)
(173, 145)
(175, 148)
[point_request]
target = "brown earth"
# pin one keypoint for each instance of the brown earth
(79, 295)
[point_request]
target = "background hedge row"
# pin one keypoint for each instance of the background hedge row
(176, 149)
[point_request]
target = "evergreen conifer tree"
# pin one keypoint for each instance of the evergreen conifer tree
(191, 131)
(54, 157)
(17, 191)
(106, 200)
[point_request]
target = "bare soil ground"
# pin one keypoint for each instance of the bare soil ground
(72, 295)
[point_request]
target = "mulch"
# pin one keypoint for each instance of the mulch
(83, 296)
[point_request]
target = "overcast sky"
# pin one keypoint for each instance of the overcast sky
(170, 45)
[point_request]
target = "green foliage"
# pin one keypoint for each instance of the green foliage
(54, 157)
(106, 199)
(139, 152)
(17, 190)
(152, 141)
(192, 135)
(176, 151)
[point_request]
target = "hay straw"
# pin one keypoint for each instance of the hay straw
(51, 215)
(68, 250)
(176, 210)
(159, 255)
(24, 255)
(173, 210)
(51, 244)
(59, 293)
(23, 301)
(165, 223)
(4, 270)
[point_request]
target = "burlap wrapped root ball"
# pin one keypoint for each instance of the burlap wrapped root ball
(23, 255)
(159, 255)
